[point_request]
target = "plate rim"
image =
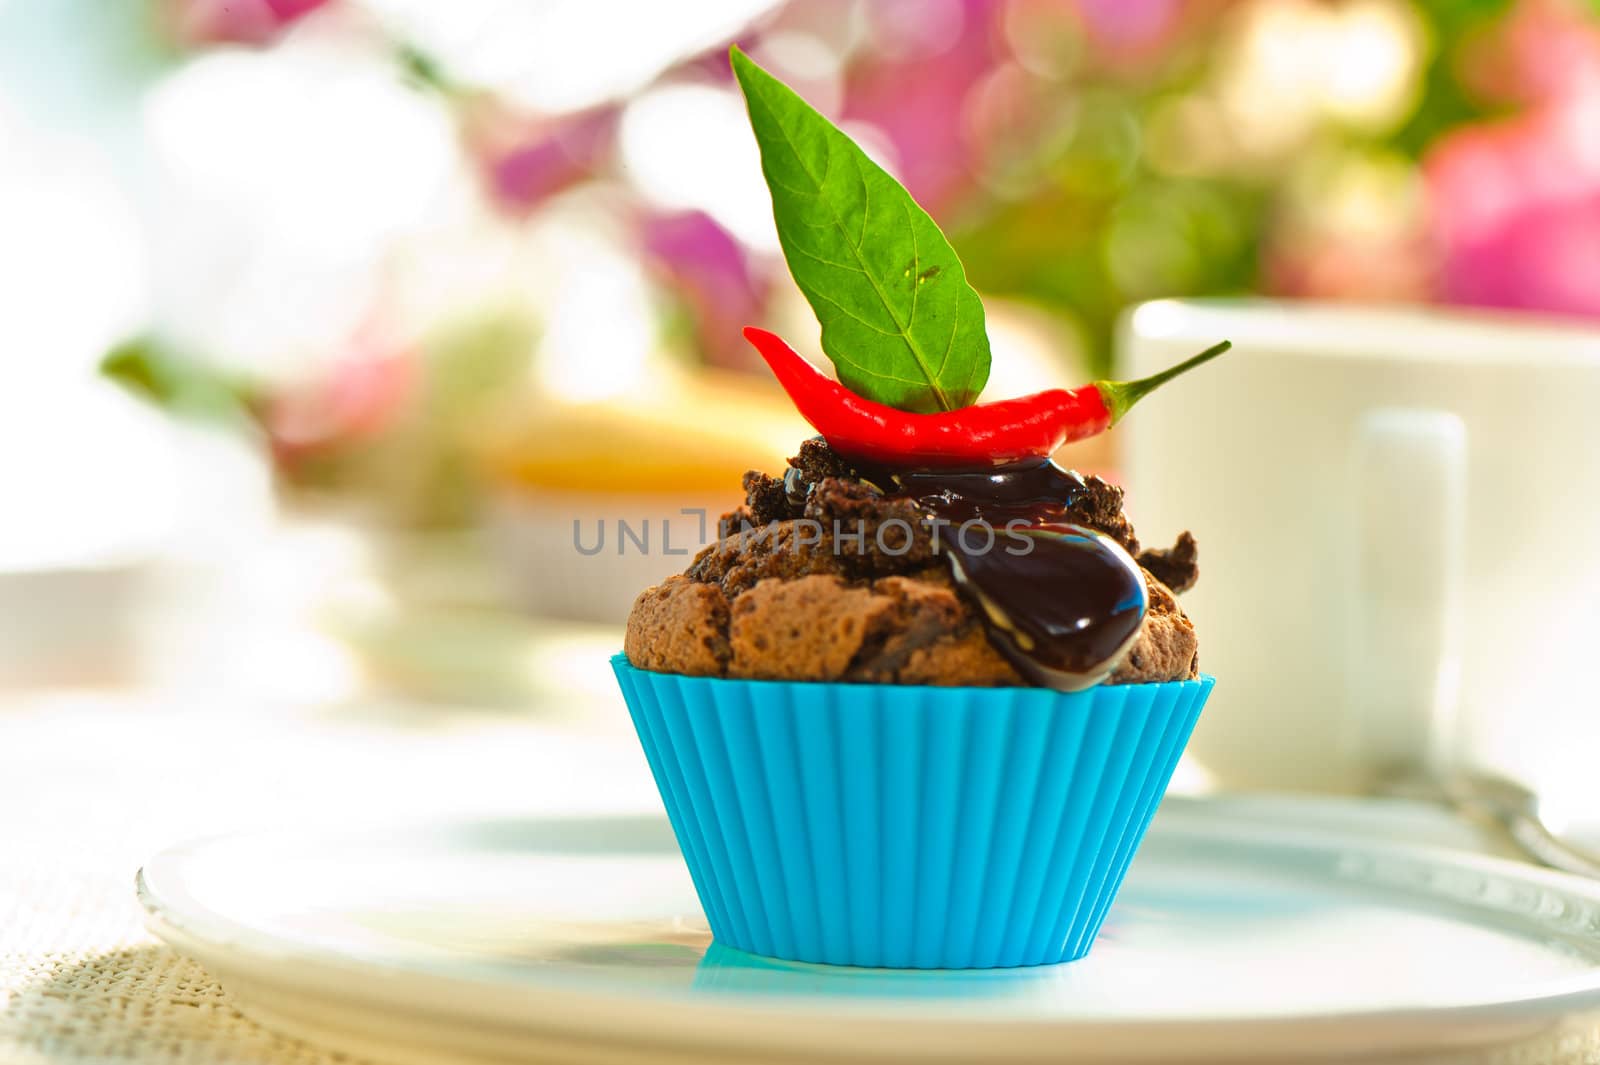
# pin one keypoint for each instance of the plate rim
(232, 951)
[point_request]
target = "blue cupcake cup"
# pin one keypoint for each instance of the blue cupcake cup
(908, 827)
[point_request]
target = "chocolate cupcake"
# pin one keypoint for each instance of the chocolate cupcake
(864, 763)
(917, 704)
(823, 576)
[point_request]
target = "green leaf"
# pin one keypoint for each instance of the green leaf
(148, 369)
(899, 320)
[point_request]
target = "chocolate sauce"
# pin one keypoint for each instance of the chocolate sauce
(1063, 602)
(1031, 490)
(1064, 613)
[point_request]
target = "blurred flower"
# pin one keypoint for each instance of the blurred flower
(360, 396)
(525, 160)
(1546, 50)
(390, 420)
(1083, 154)
(1516, 202)
(915, 29)
(712, 274)
(1045, 36)
(916, 101)
(1516, 209)
(522, 157)
(1015, 124)
(234, 21)
(1129, 30)
(1290, 65)
(1060, 38)
(1351, 225)
(357, 396)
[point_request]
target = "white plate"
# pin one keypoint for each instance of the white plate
(1233, 940)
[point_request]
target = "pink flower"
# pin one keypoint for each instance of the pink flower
(1516, 203)
(1516, 209)
(1130, 28)
(234, 21)
(361, 396)
(525, 160)
(712, 274)
(917, 103)
(1545, 50)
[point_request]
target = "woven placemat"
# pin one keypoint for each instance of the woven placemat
(81, 981)
(130, 1004)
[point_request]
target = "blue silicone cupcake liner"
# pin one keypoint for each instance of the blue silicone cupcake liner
(908, 827)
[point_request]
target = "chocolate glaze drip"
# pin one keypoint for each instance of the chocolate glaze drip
(1062, 602)
(1066, 612)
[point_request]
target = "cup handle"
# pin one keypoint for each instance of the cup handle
(1409, 477)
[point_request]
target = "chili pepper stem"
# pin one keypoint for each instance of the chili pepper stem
(1120, 395)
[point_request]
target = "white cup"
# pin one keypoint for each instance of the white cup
(1398, 514)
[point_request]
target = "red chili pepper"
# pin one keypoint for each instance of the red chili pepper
(988, 433)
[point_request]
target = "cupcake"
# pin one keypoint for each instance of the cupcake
(918, 702)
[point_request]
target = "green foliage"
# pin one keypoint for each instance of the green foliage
(1445, 103)
(150, 370)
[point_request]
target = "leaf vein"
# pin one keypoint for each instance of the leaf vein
(814, 257)
(852, 315)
